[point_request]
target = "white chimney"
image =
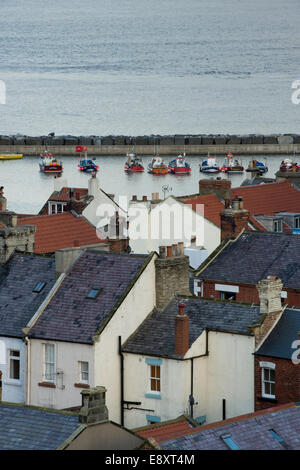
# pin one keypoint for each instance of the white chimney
(93, 186)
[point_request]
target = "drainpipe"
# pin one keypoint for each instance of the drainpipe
(121, 381)
(192, 386)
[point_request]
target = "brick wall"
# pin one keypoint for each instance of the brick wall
(171, 275)
(287, 382)
(247, 293)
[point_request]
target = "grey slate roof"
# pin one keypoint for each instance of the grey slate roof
(249, 434)
(254, 256)
(279, 342)
(70, 316)
(156, 334)
(18, 303)
(25, 428)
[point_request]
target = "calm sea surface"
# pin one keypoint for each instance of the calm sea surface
(149, 66)
(27, 189)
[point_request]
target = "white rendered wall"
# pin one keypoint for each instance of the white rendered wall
(131, 313)
(65, 395)
(12, 390)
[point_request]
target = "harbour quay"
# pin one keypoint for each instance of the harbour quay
(252, 144)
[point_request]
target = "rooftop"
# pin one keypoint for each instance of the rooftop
(18, 278)
(31, 428)
(272, 429)
(167, 429)
(215, 315)
(72, 316)
(279, 342)
(248, 259)
(58, 231)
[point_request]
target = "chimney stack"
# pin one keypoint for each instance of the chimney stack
(233, 219)
(93, 408)
(172, 274)
(270, 306)
(219, 187)
(144, 198)
(134, 198)
(181, 340)
(270, 294)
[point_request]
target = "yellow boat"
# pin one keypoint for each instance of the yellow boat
(11, 156)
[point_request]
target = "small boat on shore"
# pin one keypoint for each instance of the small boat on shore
(133, 164)
(257, 167)
(179, 166)
(209, 166)
(232, 165)
(157, 166)
(49, 164)
(11, 156)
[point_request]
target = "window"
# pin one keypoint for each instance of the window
(278, 225)
(49, 365)
(39, 286)
(94, 292)
(230, 442)
(56, 208)
(297, 222)
(268, 382)
(59, 208)
(155, 378)
(83, 372)
(14, 364)
(227, 295)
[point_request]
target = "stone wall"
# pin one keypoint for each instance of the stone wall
(171, 275)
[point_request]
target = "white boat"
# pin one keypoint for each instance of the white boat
(209, 166)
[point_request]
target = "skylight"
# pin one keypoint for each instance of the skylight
(94, 292)
(230, 442)
(39, 286)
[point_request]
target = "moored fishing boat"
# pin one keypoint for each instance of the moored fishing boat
(288, 165)
(86, 165)
(232, 165)
(133, 164)
(179, 166)
(157, 166)
(209, 166)
(49, 164)
(257, 167)
(11, 156)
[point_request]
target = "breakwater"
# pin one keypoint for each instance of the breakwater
(147, 145)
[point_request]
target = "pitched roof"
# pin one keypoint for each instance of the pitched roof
(215, 315)
(64, 194)
(58, 231)
(70, 315)
(279, 342)
(30, 428)
(18, 302)
(249, 432)
(253, 256)
(167, 429)
(269, 198)
(212, 206)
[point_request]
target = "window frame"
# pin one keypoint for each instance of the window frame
(269, 381)
(45, 379)
(297, 221)
(14, 358)
(279, 224)
(80, 372)
(156, 379)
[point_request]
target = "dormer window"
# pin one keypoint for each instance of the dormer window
(39, 287)
(278, 225)
(297, 221)
(56, 207)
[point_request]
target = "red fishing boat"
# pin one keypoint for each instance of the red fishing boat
(179, 166)
(133, 164)
(49, 164)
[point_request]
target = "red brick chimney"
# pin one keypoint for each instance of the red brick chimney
(181, 341)
(234, 219)
(220, 187)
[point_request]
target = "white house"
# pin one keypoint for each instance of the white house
(154, 223)
(75, 337)
(25, 281)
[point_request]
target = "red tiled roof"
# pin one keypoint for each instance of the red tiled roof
(64, 194)
(60, 231)
(269, 198)
(169, 430)
(212, 206)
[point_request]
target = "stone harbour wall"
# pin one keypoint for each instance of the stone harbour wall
(147, 145)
